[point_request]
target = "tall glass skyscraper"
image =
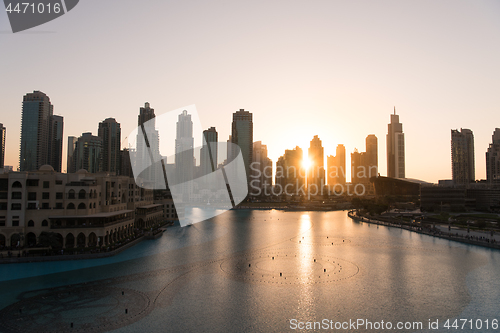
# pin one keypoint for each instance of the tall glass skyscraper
(242, 135)
(208, 153)
(3, 132)
(336, 173)
(41, 133)
(145, 150)
(88, 153)
(184, 152)
(462, 156)
(395, 148)
(56, 144)
(316, 172)
(493, 158)
(110, 133)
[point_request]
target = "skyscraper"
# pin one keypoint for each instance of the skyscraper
(242, 135)
(371, 160)
(56, 144)
(110, 133)
(70, 163)
(356, 164)
(3, 132)
(365, 164)
(462, 156)
(35, 131)
(208, 153)
(395, 148)
(316, 172)
(88, 153)
(290, 173)
(262, 170)
(151, 173)
(184, 153)
(493, 158)
(336, 173)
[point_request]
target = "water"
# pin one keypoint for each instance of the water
(258, 271)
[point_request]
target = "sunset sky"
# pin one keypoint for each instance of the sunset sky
(335, 69)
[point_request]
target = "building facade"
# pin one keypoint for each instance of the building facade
(56, 142)
(493, 158)
(336, 168)
(70, 165)
(395, 148)
(242, 135)
(110, 133)
(290, 175)
(41, 133)
(150, 174)
(316, 171)
(3, 136)
(88, 153)
(184, 154)
(208, 152)
(261, 171)
(80, 209)
(462, 156)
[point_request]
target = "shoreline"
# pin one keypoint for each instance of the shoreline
(441, 235)
(63, 257)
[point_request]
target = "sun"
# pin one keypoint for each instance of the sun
(306, 163)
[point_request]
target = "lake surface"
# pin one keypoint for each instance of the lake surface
(260, 271)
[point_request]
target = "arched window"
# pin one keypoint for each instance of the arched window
(82, 206)
(45, 223)
(71, 194)
(81, 194)
(17, 184)
(30, 239)
(70, 206)
(31, 223)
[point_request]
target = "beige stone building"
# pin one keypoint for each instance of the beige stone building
(82, 209)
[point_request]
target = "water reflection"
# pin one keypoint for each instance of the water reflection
(219, 275)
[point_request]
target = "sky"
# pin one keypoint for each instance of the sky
(335, 69)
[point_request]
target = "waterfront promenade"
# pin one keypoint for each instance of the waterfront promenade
(473, 237)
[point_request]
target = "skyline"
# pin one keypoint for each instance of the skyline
(330, 69)
(306, 159)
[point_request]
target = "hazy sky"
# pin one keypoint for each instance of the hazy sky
(331, 68)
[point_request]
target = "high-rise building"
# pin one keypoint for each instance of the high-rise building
(395, 148)
(88, 153)
(3, 132)
(184, 148)
(70, 162)
(125, 165)
(41, 134)
(371, 160)
(290, 174)
(336, 173)
(208, 152)
(261, 170)
(462, 156)
(493, 158)
(356, 163)
(56, 144)
(242, 135)
(110, 133)
(364, 165)
(316, 172)
(150, 173)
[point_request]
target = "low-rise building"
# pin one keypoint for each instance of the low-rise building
(78, 209)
